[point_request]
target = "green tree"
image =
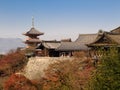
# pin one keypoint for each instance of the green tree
(107, 74)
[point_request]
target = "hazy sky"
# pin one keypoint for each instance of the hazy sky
(58, 19)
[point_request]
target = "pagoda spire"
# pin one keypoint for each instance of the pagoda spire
(33, 39)
(32, 21)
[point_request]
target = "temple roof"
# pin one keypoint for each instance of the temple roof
(86, 38)
(116, 30)
(115, 38)
(52, 44)
(79, 44)
(33, 31)
(110, 39)
(71, 46)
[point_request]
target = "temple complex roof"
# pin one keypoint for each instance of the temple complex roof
(114, 38)
(116, 30)
(53, 44)
(79, 44)
(86, 38)
(71, 46)
(102, 38)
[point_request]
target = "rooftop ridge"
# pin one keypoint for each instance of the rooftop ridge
(88, 34)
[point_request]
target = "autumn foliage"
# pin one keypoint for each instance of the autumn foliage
(62, 75)
(67, 75)
(19, 82)
(12, 62)
(76, 74)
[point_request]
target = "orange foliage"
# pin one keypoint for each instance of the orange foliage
(63, 75)
(72, 75)
(11, 62)
(18, 82)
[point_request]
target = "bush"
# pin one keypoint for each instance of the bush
(107, 74)
(1, 56)
(79, 54)
(19, 82)
(12, 62)
(67, 75)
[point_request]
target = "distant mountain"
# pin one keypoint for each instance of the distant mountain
(6, 44)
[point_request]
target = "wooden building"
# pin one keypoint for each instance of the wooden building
(107, 39)
(85, 42)
(90, 43)
(32, 37)
(104, 42)
(80, 44)
(48, 48)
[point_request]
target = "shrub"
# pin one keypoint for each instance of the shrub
(79, 54)
(19, 82)
(12, 62)
(67, 75)
(1, 56)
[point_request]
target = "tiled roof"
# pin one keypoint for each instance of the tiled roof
(71, 46)
(33, 40)
(112, 37)
(82, 42)
(51, 45)
(34, 31)
(86, 38)
(115, 38)
(116, 30)
(79, 44)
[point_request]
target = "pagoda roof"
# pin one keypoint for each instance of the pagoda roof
(33, 41)
(33, 31)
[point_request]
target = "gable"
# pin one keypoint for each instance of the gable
(115, 38)
(104, 40)
(116, 30)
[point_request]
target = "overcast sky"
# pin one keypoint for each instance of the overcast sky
(58, 19)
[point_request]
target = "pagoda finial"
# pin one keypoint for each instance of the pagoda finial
(32, 21)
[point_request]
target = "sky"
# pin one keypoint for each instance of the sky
(58, 19)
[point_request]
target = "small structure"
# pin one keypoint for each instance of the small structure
(32, 35)
(48, 48)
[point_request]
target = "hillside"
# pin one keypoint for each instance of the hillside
(7, 44)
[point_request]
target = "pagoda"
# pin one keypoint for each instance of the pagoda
(33, 39)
